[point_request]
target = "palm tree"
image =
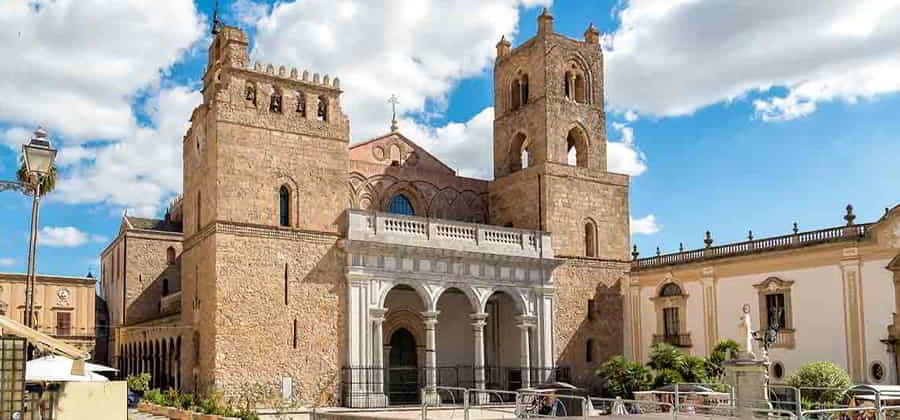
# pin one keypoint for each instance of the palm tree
(48, 182)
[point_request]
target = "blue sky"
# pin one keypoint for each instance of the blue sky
(726, 121)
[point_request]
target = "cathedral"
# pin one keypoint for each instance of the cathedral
(336, 272)
(355, 273)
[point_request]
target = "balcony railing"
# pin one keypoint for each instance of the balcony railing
(677, 340)
(757, 245)
(446, 234)
(170, 304)
(784, 338)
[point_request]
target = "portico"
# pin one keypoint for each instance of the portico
(436, 302)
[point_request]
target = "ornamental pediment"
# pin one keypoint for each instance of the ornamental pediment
(773, 284)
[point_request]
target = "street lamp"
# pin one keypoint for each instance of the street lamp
(39, 156)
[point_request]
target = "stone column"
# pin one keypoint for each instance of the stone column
(377, 395)
(430, 356)
(524, 324)
(478, 323)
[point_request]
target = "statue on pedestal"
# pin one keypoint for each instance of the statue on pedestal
(746, 331)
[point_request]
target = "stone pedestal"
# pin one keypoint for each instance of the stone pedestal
(749, 381)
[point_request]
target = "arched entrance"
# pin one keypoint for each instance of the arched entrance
(403, 381)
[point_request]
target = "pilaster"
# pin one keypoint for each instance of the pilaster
(853, 314)
(710, 308)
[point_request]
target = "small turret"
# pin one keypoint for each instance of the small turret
(592, 35)
(545, 22)
(503, 47)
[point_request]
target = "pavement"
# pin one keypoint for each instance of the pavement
(133, 414)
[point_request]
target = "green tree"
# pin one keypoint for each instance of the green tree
(621, 377)
(820, 375)
(724, 350)
(695, 370)
(48, 183)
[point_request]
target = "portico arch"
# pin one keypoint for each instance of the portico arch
(454, 337)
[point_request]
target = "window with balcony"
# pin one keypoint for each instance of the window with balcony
(775, 309)
(671, 323)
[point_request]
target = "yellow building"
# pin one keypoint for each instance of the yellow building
(63, 306)
(832, 293)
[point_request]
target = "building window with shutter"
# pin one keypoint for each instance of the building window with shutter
(64, 324)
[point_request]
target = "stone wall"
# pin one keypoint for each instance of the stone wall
(146, 270)
(577, 282)
(258, 308)
(433, 189)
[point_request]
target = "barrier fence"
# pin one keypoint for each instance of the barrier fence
(681, 401)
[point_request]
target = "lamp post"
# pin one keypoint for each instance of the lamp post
(38, 156)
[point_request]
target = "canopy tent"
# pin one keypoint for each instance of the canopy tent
(59, 369)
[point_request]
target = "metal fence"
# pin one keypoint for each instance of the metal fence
(371, 387)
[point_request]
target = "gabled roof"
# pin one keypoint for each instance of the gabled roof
(419, 149)
(142, 223)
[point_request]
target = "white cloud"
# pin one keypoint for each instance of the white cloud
(65, 237)
(458, 144)
(381, 48)
(671, 58)
(7, 262)
(142, 169)
(623, 156)
(645, 225)
(75, 65)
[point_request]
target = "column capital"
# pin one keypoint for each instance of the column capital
(431, 318)
(377, 314)
(478, 320)
(525, 321)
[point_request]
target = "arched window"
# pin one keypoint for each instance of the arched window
(284, 206)
(322, 109)
(250, 93)
(516, 91)
(520, 156)
(670, 289)
(301, 104)
(576, 148)
(590, 240)
(524, 88)
(401, 205)
(275, 102)
(580, 94)
(589, 350)
(170, 256)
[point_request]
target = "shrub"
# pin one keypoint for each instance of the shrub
(621, 377)
(139, 383)
(695, 370)
(724, 350)
(666, 377)
(153, 396)
(820, 375)
(665, 356)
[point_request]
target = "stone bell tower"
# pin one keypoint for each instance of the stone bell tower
(551, 174)
(265, 185)
(550, 126)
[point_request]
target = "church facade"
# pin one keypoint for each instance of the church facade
(339, 273)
